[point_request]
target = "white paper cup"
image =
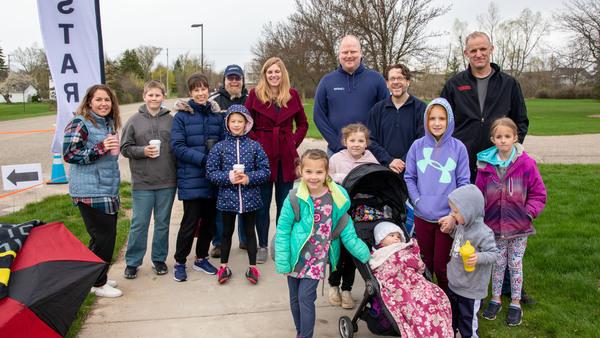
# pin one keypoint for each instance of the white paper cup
(239, 168)
(156, 144)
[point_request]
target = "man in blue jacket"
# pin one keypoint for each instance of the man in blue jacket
(347, 94)
(397, 121)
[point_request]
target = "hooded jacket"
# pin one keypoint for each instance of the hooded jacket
(511, 203)
(504, 99)
(149, 173)
(196, 128)
(343, 98)
(232, 150)
(223, 99)
(435, 168)
(291, 237)
(474, 285)
(342, 162)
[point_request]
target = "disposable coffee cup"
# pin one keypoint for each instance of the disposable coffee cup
(156, 144)
(239, 168)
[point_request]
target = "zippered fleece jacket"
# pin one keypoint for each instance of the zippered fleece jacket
(435, 168)
(149, 173)
(292, 236)
(473, 285)
(238, 198)
(511, 202)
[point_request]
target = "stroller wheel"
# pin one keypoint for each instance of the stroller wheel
(347, 329)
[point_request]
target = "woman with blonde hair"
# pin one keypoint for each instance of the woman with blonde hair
(275, 108)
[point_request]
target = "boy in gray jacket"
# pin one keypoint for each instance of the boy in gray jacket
(467, 289)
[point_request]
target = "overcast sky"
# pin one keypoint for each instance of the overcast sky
(231, 27)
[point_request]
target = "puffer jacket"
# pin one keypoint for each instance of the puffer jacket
(511, 203)
(291, 237)
(238, 149)
(196, 128)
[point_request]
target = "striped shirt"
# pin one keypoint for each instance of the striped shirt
(75, 152)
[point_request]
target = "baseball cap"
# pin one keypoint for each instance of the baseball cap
(234, 70)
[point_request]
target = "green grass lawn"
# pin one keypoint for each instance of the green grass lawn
(16, 111)
(60, 209)
(546, 117)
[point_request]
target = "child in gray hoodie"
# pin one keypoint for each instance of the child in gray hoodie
(467, 289)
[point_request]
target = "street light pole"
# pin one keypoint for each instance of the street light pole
(201, 25)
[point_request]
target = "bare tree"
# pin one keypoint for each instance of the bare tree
(32, 61)
(490, 21)
(146, 56)
(15, 82)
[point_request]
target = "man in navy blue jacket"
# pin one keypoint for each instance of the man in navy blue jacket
(347, 94)
(397, 121)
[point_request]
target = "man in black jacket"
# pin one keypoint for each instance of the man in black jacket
(232, 92)
(480, 95)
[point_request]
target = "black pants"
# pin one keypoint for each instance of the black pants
(464, 314)
(193, 211)
(249, 219)
(344, 272)
(102, 229)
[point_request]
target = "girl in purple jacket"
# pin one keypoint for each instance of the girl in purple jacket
(514, 195)
(436, 164)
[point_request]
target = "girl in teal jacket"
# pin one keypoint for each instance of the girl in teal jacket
(304, 247)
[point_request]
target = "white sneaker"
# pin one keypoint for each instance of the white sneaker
(334, 296)
(112, 283)
(107, 291)
(347, 300)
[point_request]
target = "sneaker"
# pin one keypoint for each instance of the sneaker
(491, 310)
(252, 275)
(202, 264)
(107, 291)
(261, 255)
(179, 274)
(111, 282)
(215, 252)
(223, 274)
(347, 300)
(243, 246)
(514, 316)
(334, 296)
(160, 268)
(130, 272)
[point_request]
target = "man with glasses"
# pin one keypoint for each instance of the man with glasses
(396, 121)
(232, 92)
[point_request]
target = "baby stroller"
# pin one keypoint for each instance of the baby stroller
(378, 188)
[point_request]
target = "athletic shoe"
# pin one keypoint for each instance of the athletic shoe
(223, 275)
(347, 300)
(111, 282)
(491, 310)
(107, 291)
(243, 246)
(130, 272)
(515, 316)
(215, 252)
(179, 274)
(334, 296)
(160, 268)
(252, 275)
(202, 264)
(261, 255)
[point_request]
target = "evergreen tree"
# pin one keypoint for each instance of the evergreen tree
(3, 66)
(130, 63)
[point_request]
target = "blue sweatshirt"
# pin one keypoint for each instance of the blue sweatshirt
(344, 98)
(435, 168)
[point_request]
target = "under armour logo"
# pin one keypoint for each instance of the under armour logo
(427, 161)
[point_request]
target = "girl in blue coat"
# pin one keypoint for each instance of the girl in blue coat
(238, 166)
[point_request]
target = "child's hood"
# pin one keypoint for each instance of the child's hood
(440, 101)
(468, 199)
(240, 109)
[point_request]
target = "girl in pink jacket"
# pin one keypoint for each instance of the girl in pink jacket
(514, 195)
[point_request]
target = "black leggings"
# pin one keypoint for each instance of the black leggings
(249, 219)
(193, 211)
(344, 272)
(103, 233)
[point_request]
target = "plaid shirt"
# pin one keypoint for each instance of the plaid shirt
(75, 152)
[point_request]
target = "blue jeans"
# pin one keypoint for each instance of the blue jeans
(263, 217)
(144, 201)
(219, 230)
(303, 294)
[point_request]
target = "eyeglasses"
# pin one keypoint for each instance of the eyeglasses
(400, 78)
(234, 78)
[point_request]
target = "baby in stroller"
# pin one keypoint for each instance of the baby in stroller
(419, 307)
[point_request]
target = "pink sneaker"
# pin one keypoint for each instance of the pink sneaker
(223, 274)
(252, 275)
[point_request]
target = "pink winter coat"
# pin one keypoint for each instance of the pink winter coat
(342, 162)
(513, 202)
